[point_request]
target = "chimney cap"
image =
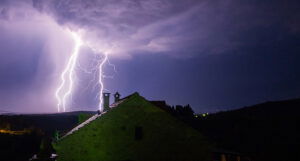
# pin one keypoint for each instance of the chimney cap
(106, 94)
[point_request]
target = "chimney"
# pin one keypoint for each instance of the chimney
(117, 97)
(106, 101)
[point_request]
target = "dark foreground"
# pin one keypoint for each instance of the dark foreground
(264, 132)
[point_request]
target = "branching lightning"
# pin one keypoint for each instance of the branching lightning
(69, 71)
(67, 77)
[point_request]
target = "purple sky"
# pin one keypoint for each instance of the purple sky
(214, 55)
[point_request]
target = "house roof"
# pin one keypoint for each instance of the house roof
(136, 130)
(94, 117)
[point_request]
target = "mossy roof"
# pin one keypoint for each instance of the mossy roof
(112, 136)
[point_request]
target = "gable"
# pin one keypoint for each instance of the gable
(134, 130)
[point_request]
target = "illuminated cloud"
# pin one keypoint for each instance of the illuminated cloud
(180, 28)
(33, 51)
(35, 45)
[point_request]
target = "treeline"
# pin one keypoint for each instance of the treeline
(42, 128)
(266, 132)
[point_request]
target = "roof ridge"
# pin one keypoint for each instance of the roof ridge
(94, 117)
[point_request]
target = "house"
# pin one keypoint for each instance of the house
(132, 129)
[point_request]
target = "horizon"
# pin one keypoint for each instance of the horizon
(4, 112)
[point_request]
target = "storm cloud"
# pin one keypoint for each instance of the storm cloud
(35, 47)
(181, 28)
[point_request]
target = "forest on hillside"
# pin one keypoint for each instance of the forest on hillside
(265, 132)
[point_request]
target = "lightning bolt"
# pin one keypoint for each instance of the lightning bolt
(68, 72)
(67, 76)
(101, 74)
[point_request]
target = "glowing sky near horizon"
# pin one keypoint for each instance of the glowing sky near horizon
(214, 55)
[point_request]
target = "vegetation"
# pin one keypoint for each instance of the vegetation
(83, 116)
(19, 147)
(266, 132)
(135, 130)
(21, 135)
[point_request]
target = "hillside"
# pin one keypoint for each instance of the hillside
(267, 131)
(48, 123)
(23, 134)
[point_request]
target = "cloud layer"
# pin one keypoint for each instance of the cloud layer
(180, 28)
(35, 45)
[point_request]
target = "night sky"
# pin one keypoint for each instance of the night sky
(214, 55)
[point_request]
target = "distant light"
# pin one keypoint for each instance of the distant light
(5, 131)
